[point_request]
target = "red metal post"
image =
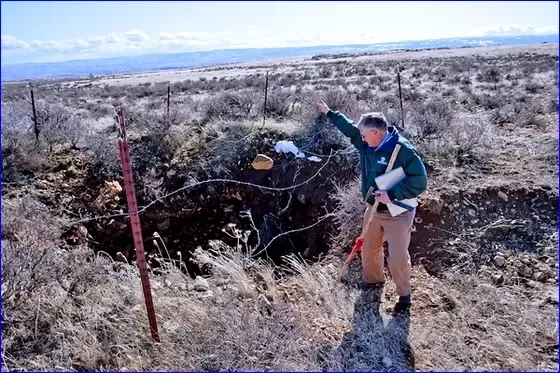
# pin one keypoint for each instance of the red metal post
(135, 224)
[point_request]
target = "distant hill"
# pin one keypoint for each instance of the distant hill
(165, 61)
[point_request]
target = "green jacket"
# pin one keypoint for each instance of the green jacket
(373, 162)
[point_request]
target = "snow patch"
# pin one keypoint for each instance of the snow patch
(314, 159)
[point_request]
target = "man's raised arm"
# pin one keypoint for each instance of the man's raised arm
(345, 125)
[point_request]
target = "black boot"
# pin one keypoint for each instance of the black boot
(403, 305)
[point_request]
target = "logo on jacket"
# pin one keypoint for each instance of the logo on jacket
(382, 160)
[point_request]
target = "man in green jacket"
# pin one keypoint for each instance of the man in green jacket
(375, 141)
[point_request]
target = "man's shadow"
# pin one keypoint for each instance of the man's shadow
(371, 345)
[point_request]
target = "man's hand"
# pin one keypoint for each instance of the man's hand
(382, 197)
(322, 107)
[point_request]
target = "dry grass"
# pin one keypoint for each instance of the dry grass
(87, 313)
(349, 213)
(493, 328)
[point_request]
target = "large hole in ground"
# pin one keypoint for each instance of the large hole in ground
(195, 216)
(492, 219)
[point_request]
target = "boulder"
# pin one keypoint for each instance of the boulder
(262, 162)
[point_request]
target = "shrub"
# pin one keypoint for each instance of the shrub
(279, 103)
(21, 155)
(383, 87)
(30, 234)
(489, 75)
(337, 99)
(229, 106)
(466, 135)
(16, 123)
(469, 134)
(533, 87)
(489, 102)
(348, 214)
(252, 81)
(58, 126)
(103, 157)
(430, 118)
(287, 80)
(325, 72)
(365, 94)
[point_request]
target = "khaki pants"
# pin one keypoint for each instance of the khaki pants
(397, 232)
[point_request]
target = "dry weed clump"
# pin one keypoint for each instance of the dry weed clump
(29, 233)
(230, 106)
(349, 213)
(430, 118)
(103, 156)
(467, 136)
(58, 126)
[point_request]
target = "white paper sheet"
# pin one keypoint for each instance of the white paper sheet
(288, 147)
(387, 181)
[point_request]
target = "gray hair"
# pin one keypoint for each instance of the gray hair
(374, 120)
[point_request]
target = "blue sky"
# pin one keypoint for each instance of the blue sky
(56, 31)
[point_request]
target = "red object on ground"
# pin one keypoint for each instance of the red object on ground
(124, 154)
(355, 250)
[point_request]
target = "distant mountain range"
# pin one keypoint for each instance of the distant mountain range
(166, 61)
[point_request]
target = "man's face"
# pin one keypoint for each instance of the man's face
(373, 137)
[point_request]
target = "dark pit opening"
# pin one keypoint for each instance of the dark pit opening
(193, 217)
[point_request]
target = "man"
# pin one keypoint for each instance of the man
(375, 141)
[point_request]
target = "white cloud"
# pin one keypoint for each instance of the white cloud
(10, 42)
(138, 41)
(135, 36)
(111, 43)
(513, 30)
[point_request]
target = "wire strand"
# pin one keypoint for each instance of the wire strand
(324, 217)
(262, 187)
